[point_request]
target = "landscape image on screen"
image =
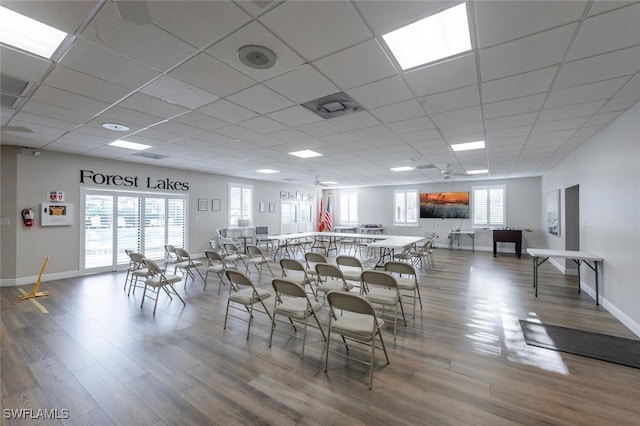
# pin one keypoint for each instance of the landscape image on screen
(444, 205)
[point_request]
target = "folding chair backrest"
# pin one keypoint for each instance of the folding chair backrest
(152, 266)
(288, 287)
(291, 265)
(329, 270)
(137, 259)
(350, 261)
(379, 278)
(182, 253)
(350, 302)
(254, 251)
(313, 257)
(213, 256)
(238, 278)
(399, 267)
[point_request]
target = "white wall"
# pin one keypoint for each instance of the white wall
(375, 205)
(31, 178)
(606, 169)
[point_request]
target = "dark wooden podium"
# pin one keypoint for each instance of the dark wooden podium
(507, 236)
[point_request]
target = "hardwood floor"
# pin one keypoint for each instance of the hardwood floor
(97, 358)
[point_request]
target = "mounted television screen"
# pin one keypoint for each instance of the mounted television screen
(444, 205)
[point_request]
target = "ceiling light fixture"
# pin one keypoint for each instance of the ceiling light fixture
(402, 169)
(28, 34)
(115, 126)
(306, 153)
(477, 172)
(329, 182)
(267, 171)
(468, 146)
(258, 57)
(129, 145)
(432, 38)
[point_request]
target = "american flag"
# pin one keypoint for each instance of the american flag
(320, 218)
(328, 219)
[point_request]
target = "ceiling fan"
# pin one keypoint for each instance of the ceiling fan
(318, 183)
(447, 172)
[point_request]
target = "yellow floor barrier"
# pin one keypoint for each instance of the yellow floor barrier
(35, 292)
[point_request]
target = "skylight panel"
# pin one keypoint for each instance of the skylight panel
(432, 38)
(28, 34)
(305, 153)
(468, 146)
(129, 145)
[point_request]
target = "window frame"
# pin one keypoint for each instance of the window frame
(406, 222)
(475, 205)
(245, 205)
(342, 195)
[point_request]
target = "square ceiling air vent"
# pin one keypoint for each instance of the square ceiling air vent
(13, 90)
(150, 155)
(333, 105)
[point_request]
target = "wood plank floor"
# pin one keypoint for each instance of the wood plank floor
(98, 359)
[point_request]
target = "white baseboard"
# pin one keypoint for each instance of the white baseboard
(613, 310)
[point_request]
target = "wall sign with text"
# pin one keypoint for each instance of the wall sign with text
(89, 176)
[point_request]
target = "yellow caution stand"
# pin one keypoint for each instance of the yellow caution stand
(35, 293)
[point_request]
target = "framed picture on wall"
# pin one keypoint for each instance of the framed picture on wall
(203, 204)
(262, 207)
(283, 194)
(272, 207)
(216, 205)
(553, 212)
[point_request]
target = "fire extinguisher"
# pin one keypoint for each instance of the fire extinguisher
(27, 217)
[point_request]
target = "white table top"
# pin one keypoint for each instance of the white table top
(463, 232)
(396, 241)
(381, 240)
(564, 254)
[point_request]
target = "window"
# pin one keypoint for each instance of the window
(118, 221)
(489, 205)
(240, 203)
(405, 207)
(348, 208)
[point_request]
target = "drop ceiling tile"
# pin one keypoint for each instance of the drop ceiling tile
(237, 132)
(227, 111)
(534, 52)
(68, 100)
(620, 103)
(422, 135)
(153, 136)
(500, 21)
(599, 7)
(200, 121)
(263, 125)
(316, 29)
(397, 112)
(585, 93)
(128, 117)
(597, 68)
(144, 43)
(519, 85)
(177, 92)
(85, 85)
(176, 128)
(372, 132)
(554, 126)
(22, 66)
(255, 34)
(386, 16)
(152, 106)
(295, 116)
(607, 32)
(367, 63)
(198, 71)
(513, 106)
(509, 132)
(517, 120)
(260, 99)
(355, 121)
(199, 23)
(570, 111)
(340, 138)
(213, 138)
(104, 64)
(451, 100)
(291, 135)
(464, 129)
(383, 92)
(457, 116)
(411, 125)
(602, 119)
(319, 128)
(443, 76)
(56, 112)
(27, 117)
(302, 84)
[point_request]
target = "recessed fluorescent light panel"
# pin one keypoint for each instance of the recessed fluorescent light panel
(28, 34)
(305, 153)
(129, 145)
(432, 38)
(329, 182)
(477, 172)
(402, 169)
(267, 171)
(468, 146)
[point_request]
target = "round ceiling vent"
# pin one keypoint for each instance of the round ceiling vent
(258, 57)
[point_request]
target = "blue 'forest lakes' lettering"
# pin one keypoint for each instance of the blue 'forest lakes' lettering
(87, 176)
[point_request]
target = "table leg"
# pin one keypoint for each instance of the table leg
(597, 291)
(535, 274)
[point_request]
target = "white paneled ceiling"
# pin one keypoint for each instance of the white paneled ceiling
(541, 79)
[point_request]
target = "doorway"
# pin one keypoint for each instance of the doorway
(572, 223)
